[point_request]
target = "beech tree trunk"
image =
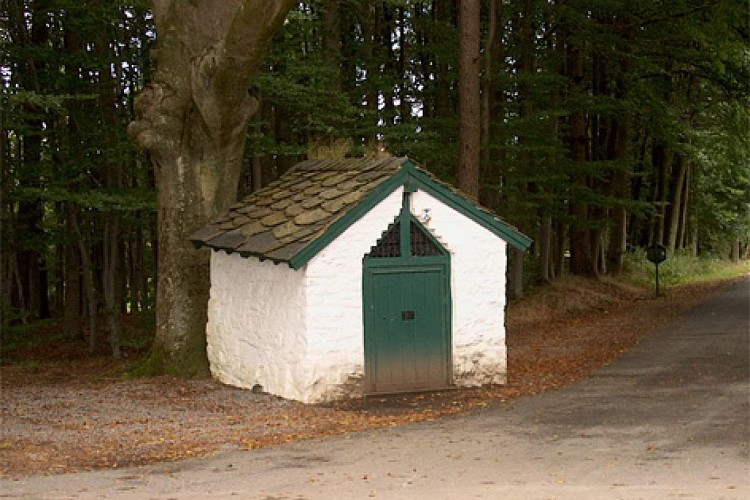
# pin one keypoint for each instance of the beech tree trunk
(192, 120)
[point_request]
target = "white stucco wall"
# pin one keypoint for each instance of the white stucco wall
(256, 324)
(334, 301)
(478, 266)
(300, 334)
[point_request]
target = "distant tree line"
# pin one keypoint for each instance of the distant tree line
(602, 126)
(78, 219)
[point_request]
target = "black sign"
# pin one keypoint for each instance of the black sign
(656, 253)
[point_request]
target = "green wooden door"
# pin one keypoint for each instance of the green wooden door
(407, 309)
(407, 331)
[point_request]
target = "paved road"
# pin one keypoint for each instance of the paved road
(669, 419)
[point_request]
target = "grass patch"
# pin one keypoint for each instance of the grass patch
(681, 269)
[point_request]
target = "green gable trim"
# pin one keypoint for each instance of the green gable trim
(411, 177)
(508, 233)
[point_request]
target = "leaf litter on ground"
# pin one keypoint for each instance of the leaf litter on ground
(80, 414)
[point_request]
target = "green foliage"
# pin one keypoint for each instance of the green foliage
(70, 73)
(681, 268)
(722, 208)
(672, 76)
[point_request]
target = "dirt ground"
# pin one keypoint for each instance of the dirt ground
(81, 414)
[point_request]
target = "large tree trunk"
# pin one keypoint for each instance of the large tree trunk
(515, 274)
(468, 95)
(192, 121)
(444, 100)
(111, 246)
(618, 235)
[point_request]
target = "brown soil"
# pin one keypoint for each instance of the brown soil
(62, 412)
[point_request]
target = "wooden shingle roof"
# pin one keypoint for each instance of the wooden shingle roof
(292, 218)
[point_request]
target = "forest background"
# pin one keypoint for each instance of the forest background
(604, 127)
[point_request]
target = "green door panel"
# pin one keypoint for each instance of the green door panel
(407, 328)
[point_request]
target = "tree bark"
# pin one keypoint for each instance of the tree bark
(662, 160)
(468, 89)
(88, 279)
(682, 232)
(525, 71)
(581, 256)
(492, 109)
(72, 278)
(515, 274)
(192, 121)
(735, 255)
(113, 179)
(676, 202)
(109, 282)
(444, 99)
(490, 47)
(618, 232)
(561, 230)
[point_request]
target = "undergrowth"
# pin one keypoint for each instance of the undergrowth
(681, 268)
